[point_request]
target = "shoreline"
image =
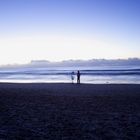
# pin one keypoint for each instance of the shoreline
(70, 89)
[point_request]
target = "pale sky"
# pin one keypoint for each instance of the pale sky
(58, 30)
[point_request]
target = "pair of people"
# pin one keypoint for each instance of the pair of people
(78, 77)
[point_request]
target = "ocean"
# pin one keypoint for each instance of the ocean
(93, 75)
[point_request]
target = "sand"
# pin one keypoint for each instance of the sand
(69, 111)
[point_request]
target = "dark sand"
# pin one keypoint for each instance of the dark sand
(69, 112)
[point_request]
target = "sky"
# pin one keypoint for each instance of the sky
(57, 30)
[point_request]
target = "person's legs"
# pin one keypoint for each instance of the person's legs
(78, 80)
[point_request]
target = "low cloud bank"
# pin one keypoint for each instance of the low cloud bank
(92, 62)
(74, 63)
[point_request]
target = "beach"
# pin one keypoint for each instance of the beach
(64, 111)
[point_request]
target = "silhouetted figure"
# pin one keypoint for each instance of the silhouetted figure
(72, 77)
(78, 77)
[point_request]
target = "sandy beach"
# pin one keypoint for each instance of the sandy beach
(61, 111)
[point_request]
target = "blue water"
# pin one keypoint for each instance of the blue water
(121, 74)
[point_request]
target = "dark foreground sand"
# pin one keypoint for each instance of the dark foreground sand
(69, 112)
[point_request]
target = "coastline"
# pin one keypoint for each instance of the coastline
(69, 89)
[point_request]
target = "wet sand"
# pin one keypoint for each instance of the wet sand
(69, 111)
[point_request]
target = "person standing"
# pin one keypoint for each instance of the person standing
(78, 77)
(72, 76)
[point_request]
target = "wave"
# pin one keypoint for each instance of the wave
(88, 75)
(68, 72)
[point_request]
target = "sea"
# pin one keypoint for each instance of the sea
(93, 75)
